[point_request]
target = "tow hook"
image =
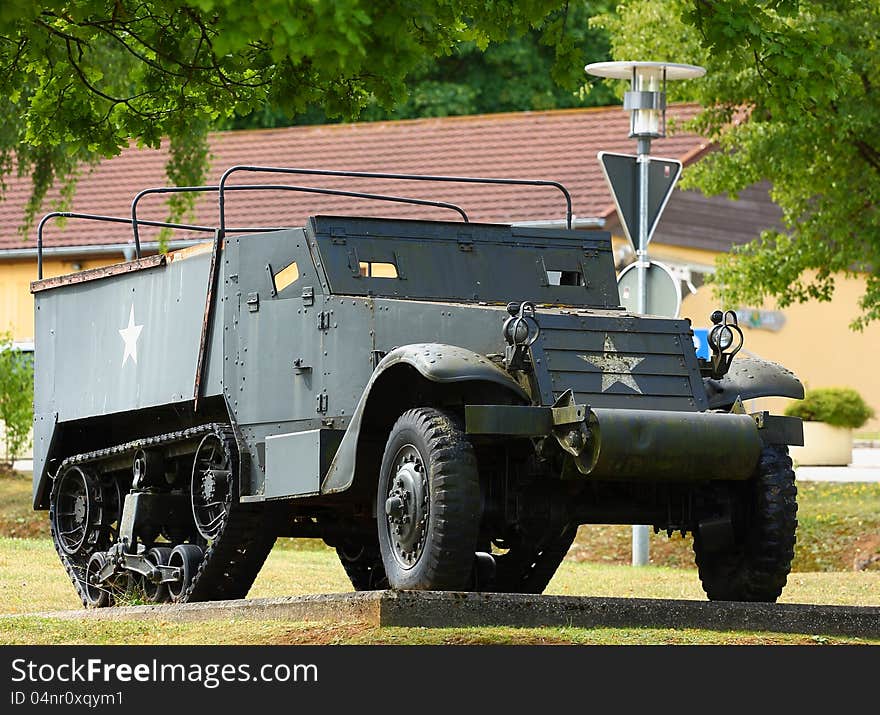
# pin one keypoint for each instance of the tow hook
(571, 431)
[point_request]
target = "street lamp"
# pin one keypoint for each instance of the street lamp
(646, 103)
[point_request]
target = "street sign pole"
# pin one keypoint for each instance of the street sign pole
(643, 161)
(646, 103)
(640, 533)
(641, 187)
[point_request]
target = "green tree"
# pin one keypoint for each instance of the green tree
(792, 95)
(80, 79)
(16, 397)
(538, 70)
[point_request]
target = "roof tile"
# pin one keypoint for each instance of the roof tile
(558, 145)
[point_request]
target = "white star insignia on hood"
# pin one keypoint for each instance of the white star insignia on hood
(615, 367)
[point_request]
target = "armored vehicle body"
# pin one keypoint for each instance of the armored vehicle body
(441, 402)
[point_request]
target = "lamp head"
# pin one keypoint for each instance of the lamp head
(646, 99)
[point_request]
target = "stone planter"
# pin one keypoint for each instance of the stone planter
(824, 446)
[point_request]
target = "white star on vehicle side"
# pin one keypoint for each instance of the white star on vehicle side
(130, 337)
(614, 366)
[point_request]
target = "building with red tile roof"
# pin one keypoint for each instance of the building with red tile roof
(555, 145)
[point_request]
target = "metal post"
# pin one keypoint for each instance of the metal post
(643, 161)
(646, 103)
(640, 533)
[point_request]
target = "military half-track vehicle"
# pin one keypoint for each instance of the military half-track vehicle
(441, 402)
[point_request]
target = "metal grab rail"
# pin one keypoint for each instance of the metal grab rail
(221, 188)
(283, 187)
(373, 175)
(109, 219)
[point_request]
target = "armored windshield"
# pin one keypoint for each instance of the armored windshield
(464, 262)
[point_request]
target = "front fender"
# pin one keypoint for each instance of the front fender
(447, 363)
(436, 363)
(751, 377)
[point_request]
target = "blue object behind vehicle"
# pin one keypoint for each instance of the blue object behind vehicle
(701, 342)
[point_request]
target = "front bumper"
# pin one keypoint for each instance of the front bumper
(657, 445)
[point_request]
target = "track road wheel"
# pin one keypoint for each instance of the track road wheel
(363, 564)
(756, 567)
(157, 592)
(187, 558)
(428, 503)
(97, 595)
(81, 511)
(211, 486)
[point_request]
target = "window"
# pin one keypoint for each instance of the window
(565, 278)
(286, 276)
(375, 269)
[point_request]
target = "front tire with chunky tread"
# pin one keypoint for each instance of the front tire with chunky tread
(757, 566)
(443, 557)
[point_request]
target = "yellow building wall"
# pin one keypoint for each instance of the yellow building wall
(816, 342)
(16, 301)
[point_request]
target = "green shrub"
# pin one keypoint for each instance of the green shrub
(16, 397)
(836, 406)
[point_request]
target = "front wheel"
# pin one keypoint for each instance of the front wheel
(428, 503)
(756, 566)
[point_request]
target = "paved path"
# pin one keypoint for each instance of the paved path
(865, 467)
(433, 609)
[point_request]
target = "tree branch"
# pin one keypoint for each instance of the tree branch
(103, 95)
(869, 153)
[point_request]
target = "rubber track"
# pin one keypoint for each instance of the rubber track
(232, 560)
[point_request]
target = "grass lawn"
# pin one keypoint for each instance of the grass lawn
(24, 631)
(31, 579)
(16, 516)
(838, 534)
(838, 530)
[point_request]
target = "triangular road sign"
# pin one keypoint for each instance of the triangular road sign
(622, 174)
